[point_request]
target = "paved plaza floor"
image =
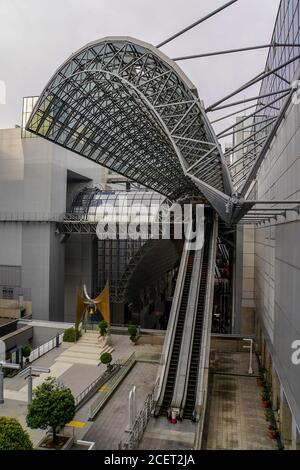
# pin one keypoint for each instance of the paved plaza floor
(235, 419)
(76, 366)
(109, 428)
(160, 434)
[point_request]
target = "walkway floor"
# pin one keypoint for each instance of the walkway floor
(160, 434)
(75, 366)
(235, 419)
(109, 427)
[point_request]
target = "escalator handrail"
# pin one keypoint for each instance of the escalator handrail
(171, 328)
(184, 396)
(188, 334)
(202, 381)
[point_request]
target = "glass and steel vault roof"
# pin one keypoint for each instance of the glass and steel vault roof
(94, 205)
(125, 105)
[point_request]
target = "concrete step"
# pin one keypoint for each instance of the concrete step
(86, 347)
(86, 354)
(91, 342)
(90, 333)
(79, 354)
(78, 360)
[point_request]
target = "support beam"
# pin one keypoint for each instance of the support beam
(253, 144)
(188, 28)
(232, 51)
(222, 135)
(261, 156)
(242, 144)
(251, 115)
(253, 98)
(252, 82)
(282, 201)
(239, 111)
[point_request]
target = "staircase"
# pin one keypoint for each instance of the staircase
(86, 350)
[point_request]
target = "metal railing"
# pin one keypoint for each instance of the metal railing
(46, 347)
(89, 391)
(140, 424)
(100, 401)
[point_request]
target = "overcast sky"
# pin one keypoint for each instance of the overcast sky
(36, 36)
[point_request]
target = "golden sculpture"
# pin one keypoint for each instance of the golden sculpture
(86, 305)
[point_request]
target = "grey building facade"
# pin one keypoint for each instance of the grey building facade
(37, 181)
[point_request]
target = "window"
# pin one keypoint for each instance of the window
(7, 293)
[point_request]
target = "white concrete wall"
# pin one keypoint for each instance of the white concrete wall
(10, 244)
(33, 181)
(248, 267)
(277, 258)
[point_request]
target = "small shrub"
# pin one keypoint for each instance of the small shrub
(265, 395)
(106, 359)
(26, 351)
(71, 335)
(103, 327)
(269, 415)
(132, 331)
(13, 436)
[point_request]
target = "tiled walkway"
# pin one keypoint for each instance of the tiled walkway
(109, 427)
(235, 418)
(160, 434)
(76, 366)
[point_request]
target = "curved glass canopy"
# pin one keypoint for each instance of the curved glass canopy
(122, 261)
(124, 104)
(96, 205)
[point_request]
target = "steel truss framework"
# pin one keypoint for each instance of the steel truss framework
(118, 258)
(124, 104)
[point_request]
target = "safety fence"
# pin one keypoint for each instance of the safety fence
(91, 389)
(136, 433)
(110, 387)
(46, 347)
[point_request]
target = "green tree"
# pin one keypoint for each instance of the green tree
(13, 436)
(53, 405)
(132, 331)
(106, 359)
(103, 327)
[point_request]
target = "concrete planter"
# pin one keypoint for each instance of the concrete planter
(86, 445)
(69, 440)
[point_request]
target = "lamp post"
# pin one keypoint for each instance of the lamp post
(28, 374)
(250, 347)
(5, 365)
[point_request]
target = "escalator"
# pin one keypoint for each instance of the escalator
(197, 336)
(178, 337)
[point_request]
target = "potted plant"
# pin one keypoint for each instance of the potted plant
(272, 428)
(273, 431)
(133, 331)
(265, 396)
(103, 328)
(261, 379)
(26, 351)
(269, 415)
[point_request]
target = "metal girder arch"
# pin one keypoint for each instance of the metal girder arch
(125, 105)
